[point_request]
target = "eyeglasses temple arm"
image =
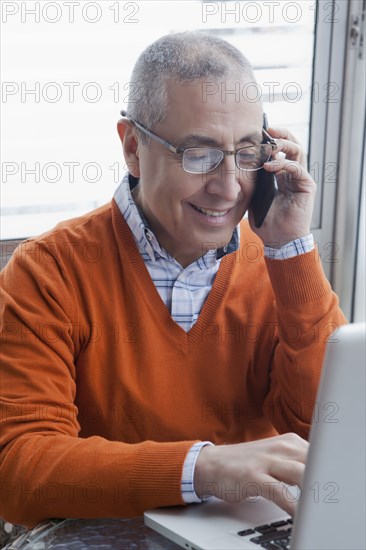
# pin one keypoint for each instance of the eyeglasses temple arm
(153, 136)
(267, 136)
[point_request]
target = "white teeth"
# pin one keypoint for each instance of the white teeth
(211, 212)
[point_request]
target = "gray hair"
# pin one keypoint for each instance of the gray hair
(178, 57)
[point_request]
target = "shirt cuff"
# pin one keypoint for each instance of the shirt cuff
(292, 249)
(187, 487)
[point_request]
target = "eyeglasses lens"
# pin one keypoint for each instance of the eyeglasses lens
(200, 160)
(253, 158)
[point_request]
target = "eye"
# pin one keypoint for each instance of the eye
(249, 157)
(198, 153)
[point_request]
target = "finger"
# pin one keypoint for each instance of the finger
(284, 133)
(291, 149)
(286, 498)
(292, 167)
(281, 494)
(288, 471)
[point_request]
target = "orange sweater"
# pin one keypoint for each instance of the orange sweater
(103, 393)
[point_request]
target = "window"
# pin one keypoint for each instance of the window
(66, 75)
(337, 143)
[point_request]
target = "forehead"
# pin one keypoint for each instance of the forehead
(217, 108)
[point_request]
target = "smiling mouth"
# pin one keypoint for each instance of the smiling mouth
(213, 213)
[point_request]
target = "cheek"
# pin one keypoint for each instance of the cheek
(248, 183)
(183, 190)
(168, 198)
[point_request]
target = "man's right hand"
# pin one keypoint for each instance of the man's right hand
(236, 472)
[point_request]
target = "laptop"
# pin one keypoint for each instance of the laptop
(331, 507)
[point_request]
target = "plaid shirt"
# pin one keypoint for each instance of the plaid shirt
(184, 290)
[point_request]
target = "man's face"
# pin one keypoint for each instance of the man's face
(191, 213)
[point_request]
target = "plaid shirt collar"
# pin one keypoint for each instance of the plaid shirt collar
(145, 239)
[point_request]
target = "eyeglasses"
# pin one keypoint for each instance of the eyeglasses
(201, 160)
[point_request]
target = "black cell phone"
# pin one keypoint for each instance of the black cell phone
(265, 190)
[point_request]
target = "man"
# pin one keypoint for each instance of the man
(157, 347)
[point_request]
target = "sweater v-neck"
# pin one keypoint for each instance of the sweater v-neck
(185, 340)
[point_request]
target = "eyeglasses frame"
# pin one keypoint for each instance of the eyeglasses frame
(180, 150)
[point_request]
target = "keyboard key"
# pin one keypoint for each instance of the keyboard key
(280, 544)
(269, 537)
(245, 532)
(263, 528)
(283, 544)
(273, 546)
(279, 523)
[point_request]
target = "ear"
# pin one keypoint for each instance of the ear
(130, 145)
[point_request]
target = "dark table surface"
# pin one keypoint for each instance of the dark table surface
(84, 534)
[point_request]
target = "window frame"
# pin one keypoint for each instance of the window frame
(336, 140)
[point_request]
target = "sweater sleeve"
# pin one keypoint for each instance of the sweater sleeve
(307, 313)
(46, 469)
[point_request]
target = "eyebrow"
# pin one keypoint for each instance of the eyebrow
(197, 140)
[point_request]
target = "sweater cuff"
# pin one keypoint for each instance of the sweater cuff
(298, 280)
(156, 476)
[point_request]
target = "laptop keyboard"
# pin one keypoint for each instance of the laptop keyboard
(272, 536)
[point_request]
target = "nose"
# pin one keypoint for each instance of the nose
(224, 181)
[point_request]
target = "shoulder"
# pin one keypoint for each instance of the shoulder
(85, 238)
(97, 221)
